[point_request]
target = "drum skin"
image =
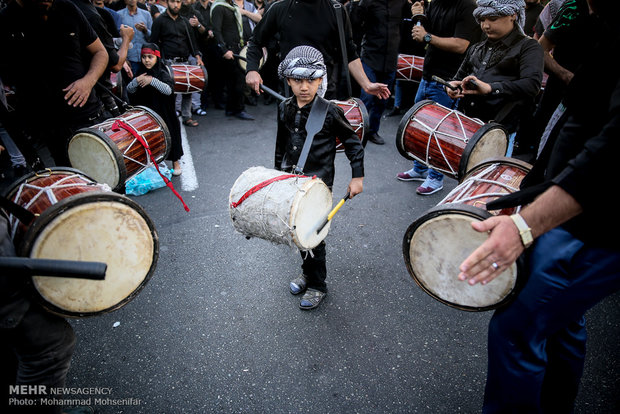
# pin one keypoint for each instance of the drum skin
(113, 157)
(86, 223)
(447, 140)
(188, 78)
(243, 53)
(356, 113)
(437, 243)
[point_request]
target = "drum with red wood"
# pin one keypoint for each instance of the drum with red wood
(357, 115)
(409, 67)
(188, 78)
(438, 242)
(447, 140)
(111, 154)
(80, 220)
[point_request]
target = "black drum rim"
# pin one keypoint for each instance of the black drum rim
(77, 200)
(364, 114)
(465, 210)
(471, 144)
(402, 126)
(515, 162)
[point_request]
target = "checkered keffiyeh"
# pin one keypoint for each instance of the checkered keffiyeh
(302, 62)
(489, 8)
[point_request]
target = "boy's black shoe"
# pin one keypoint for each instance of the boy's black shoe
(375, 138)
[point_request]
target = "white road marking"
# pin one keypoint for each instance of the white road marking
(189, 181)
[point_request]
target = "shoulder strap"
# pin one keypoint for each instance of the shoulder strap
(314, 124)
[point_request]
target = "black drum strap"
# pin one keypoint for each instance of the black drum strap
(17, 211)
(314, 124)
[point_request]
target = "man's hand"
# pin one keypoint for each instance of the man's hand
(199, 61)
(380, 90)
(417, 8)
(228, 55)
(141, 27)
(126, 32)
(356, 186)
(78, 92)
(254, 81)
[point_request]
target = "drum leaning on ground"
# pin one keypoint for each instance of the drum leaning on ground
(112, 155)
(357, 115)
(79, 219)
(447, 140)
(279, 207)
(437, 243)
(409, 67)
(188, 78)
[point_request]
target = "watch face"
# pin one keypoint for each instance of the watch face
(427, 38)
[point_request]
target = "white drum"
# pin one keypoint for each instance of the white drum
(279, 207)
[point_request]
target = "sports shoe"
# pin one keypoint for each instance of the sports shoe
(411, 175)
(311, 299)
(298, 285)
(430, 186)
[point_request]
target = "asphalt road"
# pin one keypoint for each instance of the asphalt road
(216, 330)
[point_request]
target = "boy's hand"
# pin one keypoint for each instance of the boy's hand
(356, 186)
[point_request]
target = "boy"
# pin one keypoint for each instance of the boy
(305, 72)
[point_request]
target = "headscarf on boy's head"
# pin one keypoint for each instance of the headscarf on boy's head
(304, 62)
(159, 70)
(498, 8)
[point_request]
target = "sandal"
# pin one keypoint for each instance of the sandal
(298, 285)
(190, 122)
(311, 299)
(200, 112)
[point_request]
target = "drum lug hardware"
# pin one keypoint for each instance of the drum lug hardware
(47, 173)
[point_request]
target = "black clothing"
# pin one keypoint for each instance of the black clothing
(513, 66)
(531, 16)
(448, 18)
(225, 29)
(379, 22)
(291, 136)
(175, 37)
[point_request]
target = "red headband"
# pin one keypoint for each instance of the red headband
(146, 51)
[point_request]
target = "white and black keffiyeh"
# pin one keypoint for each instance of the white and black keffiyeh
(490, 8)
(302, 62)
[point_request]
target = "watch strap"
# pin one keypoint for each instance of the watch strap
(525, 232)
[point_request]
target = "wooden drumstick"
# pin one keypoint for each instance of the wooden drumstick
(332, 213)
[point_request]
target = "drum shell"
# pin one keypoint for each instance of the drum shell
(356, 113)
(89, 205)
(409, 67)
(117, 155)
(435, 244)
(452, 149)
(188, 78)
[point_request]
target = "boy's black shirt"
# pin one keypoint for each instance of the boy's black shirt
(291, 136)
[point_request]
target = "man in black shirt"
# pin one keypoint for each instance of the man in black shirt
(72, 60)
(175, 37)
(312, 23)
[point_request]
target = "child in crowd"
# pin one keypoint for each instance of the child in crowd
(153, 87)
(304, 70)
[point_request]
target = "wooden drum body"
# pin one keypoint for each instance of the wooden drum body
(447, 140)
(357, 115)
(438, 242)
(78, 219)
(279, 207)
(409, 67)
(112, 155)
(188, 78)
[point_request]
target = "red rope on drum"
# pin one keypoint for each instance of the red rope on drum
(263, 185)
(122, 124)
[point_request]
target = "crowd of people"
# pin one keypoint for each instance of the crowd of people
(486, 58)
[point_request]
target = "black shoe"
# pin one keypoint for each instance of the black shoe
(394, 112)
(375, 138)
(244, 116)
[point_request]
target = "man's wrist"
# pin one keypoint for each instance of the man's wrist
(525, 232)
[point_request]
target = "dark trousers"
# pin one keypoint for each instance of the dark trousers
(314, 266)
(374, 105)
(537, 344)
(36, 352)
(234, 78)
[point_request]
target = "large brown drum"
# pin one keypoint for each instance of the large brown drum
(447, 140)
(188, 78)
(357, 115)
(112, 155)
(409, 67)
(78, 219)
(438, 242)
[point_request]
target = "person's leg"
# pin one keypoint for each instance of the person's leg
(537, 343)
(314, 267)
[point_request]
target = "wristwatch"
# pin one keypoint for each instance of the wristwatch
(427, 38)
(524, 230)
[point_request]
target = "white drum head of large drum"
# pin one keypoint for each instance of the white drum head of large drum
(92, 155)
(437, 248)
(493, 143)
(105, 231)
(310, 207)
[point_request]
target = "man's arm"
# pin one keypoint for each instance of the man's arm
(551, 65)
(373, 88)
(126, 33)
(79, 91)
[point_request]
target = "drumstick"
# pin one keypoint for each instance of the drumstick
(23, 266)
(333, 212)
(272, 92)
(444, 83)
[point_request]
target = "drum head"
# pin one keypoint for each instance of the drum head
(91, 151)
(310, 207)
(101, 227)
(437, 243)
(490, 141)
